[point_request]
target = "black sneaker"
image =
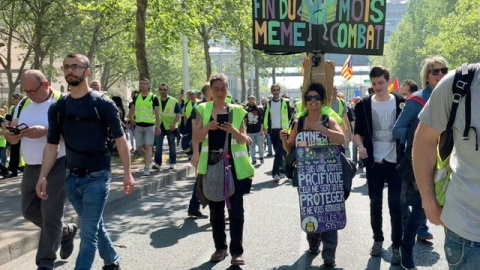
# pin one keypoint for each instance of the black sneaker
(66, 246)
(196, 213)
(113, 266)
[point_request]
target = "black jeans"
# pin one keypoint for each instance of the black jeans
(376, 177)
(279, 152)
(217, 219)
(194, 201)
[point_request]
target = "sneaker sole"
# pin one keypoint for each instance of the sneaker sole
(63, 255)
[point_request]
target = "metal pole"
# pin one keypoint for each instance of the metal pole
(185, 70)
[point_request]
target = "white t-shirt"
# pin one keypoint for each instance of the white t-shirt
(275, 114)
(31, 115)
(383, 120)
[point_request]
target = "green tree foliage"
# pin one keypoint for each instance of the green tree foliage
(405, 50)
(458, 38)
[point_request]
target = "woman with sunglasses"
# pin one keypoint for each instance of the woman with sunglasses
(311, 119)
(414, 221)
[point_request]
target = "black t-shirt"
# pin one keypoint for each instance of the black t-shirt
(163, 107)
(88, 136)
(254, 118)
(156, 103)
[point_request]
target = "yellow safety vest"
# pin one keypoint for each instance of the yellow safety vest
(144, 112)
(229, 100)
(3, 141)
(283, 112)
(187, 112)
(168, 113)
(324, 110)
(26, 101)
(243, 167)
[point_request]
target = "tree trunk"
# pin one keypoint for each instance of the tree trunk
(274, 75)
(242, 71)
(140, 40)
(257, 76)
(206, 50)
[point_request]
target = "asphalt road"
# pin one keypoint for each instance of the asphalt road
(154, 233)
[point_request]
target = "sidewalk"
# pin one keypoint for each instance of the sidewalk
(18, 236)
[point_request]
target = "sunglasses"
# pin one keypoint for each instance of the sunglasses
(310, 98)
(436, 71)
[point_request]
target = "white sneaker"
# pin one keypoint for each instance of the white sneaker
(172, 166)
(276, 177)
(146, 171)
(156, 166)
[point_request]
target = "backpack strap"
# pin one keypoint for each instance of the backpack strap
(461, 87)
(22, 104)
(418, 99)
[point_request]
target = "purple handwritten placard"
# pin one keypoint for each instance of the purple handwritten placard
(320, 183)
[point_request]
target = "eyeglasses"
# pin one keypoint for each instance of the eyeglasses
(32, 91)
(162, 89)
(73, 67)
(310, 98)
(436, 71)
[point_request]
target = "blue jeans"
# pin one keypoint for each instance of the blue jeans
(88, 195)
(171, 145)
(269, 144)
(412, 224)
(257, 141)
(462, 254)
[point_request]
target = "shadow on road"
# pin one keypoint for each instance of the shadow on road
(306, 262)
(172, 234)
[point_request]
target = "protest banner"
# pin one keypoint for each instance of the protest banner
(320, 183)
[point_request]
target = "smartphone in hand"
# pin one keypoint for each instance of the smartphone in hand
(222, 118)
(16, 130)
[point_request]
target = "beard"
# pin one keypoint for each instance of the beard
(73, 80)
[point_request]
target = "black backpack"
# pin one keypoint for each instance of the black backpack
(95, 103)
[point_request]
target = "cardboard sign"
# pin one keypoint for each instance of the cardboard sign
(329, 26)
(320, 183)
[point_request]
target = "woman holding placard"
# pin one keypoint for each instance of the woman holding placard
(331, 133)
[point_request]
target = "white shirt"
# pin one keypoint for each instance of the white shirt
(31, 115)
(275, 114)
(383, 120)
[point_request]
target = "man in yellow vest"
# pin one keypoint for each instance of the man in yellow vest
(277, 117)
(147, 122)
(340, 107)
(170, 114)
(46, 214)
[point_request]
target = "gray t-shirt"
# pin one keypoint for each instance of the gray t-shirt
(461, 212)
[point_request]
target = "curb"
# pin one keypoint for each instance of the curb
(116, 200)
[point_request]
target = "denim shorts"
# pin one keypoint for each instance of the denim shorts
(460, 252)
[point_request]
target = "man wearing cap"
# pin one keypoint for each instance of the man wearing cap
(254, 123)
(170, 114)
(46, 214)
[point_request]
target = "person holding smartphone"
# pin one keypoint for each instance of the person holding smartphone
(29, 125)
(213, 121)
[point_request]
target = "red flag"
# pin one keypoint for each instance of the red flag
(394, 86)
(347, 70)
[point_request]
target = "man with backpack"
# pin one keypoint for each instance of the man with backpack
(82, 118)
(461, 212)
(31, 113)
